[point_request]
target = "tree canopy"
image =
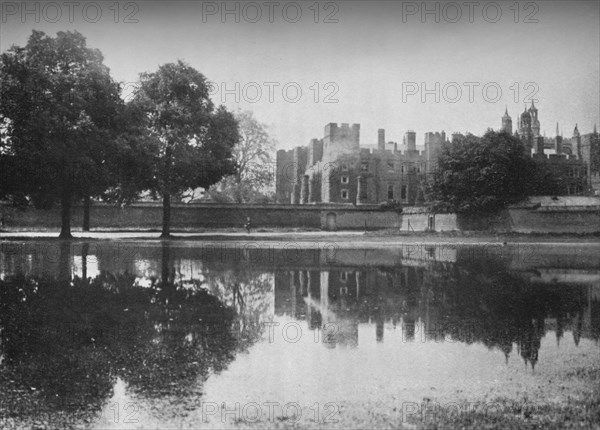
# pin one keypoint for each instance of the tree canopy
(194, 140)
(253, 154)
(58, 108)
(484, 174)
(66, 134)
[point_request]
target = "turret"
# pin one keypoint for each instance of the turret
(576, 143)
(535, 123)
(507, 122)
(558, 141)
(525, 130)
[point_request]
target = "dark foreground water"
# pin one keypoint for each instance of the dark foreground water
(188, 335)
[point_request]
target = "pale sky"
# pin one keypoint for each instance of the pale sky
(367, 62)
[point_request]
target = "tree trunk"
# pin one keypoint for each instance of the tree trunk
(64, 261)
(165, 263)
(167, 273)
(65, 227)
(87, 202)
(84, 254)
(166, 227)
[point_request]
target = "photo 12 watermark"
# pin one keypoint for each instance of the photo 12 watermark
(269, 411)
(270, 12)
(259, 92)
(469, 92)
(274, 92)
(431, 412)
(70, 12)
(452, 12)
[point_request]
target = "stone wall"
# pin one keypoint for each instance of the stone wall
(539, 215)
(149, 216)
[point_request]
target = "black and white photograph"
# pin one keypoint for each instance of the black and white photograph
(301, 214)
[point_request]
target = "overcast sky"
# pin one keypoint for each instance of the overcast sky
(370, 65)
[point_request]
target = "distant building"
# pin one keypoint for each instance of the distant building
(336, 169)
(566, 158)
(590, 153)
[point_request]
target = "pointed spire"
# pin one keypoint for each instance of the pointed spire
(557, 128)
(506, 110)
(532, 108)
(595, 130)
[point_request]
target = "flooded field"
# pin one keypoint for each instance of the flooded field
(125, 334)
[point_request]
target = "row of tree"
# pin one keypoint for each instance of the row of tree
(67, 135)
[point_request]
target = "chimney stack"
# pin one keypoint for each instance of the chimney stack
(381, 139)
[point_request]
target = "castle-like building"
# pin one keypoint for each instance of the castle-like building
(574, 160)
(336, 169)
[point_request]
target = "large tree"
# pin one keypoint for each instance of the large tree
(483, 174)
(58, 106)
(195, 140)
(253, 154)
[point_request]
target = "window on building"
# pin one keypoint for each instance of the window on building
(345, 179)
(390, 165)
(401, 169)
(403, 192)
(344, 167)
(345, 194)
(343, 276)
(364, 166)
(390, 192)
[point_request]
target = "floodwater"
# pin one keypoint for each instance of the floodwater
(125, 334)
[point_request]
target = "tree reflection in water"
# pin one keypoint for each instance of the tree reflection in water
(65, 343)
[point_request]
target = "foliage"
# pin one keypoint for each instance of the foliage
(131, 160)
(485, 174)
(58, 109)
(391, 205)
(228, 190)
(194, 140)
(253, 155)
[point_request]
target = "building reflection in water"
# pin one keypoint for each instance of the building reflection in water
(420, 304)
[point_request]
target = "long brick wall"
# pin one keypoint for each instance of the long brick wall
(149, 216)
(525, 219)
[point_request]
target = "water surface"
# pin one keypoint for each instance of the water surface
(117, 334)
